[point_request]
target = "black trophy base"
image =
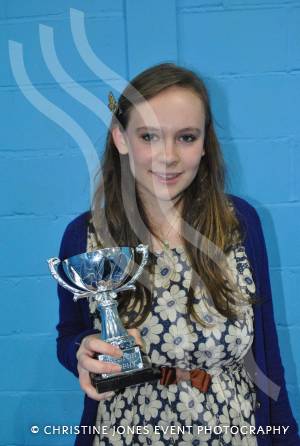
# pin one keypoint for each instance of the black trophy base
(126, 379)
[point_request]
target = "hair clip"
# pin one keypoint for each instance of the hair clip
(113, 104)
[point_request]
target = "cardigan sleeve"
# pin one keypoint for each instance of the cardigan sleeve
(280, 409)
(72, 326)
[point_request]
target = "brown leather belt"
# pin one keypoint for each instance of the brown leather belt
(199, 378)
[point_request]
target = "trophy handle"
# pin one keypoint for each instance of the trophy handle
(53, 266)
(129, 285)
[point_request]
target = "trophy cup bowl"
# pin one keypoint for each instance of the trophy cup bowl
(102, 270)
(100, 275)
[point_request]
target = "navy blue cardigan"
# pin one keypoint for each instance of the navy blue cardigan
(264, 359)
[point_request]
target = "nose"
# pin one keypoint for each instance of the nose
(169, 154)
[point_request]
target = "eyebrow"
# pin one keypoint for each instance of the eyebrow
(181, 130)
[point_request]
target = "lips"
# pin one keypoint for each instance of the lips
(170, 178)
(167, 176)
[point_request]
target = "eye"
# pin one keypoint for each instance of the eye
(148, 136)
(188, 138)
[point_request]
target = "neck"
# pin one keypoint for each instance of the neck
(162, 213)
(164, 216)
(165, 220)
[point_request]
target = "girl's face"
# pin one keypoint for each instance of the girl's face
(164, 145)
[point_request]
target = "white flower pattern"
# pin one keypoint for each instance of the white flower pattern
(172, 304)
(230, 399)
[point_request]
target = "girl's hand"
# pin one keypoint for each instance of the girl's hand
(87, 362)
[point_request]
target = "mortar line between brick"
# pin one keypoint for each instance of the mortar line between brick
(56, 17)
(178, 47)
(220, 8)
(219, 76)
(126, 37)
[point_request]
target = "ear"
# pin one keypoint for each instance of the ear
(119, 140)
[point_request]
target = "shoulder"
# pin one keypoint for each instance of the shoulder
(79, 222)
(251, 226)
(74, 237)
(243, 208)
(245, 212)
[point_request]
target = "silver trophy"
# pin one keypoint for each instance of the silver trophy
(100, 275)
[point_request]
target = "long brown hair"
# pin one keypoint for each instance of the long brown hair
(119, 218)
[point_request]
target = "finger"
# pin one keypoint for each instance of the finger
(97, 366)
(92, 393)
(89, 389)
(97, 345)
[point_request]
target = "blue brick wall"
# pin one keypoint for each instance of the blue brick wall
(248, 51)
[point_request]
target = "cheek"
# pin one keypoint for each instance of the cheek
(193, 159)
(138, 156)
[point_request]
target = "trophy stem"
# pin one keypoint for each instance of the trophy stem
(112, 329)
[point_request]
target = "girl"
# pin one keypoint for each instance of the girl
(202, 309)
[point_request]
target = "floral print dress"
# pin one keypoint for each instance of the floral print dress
(180, 414)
